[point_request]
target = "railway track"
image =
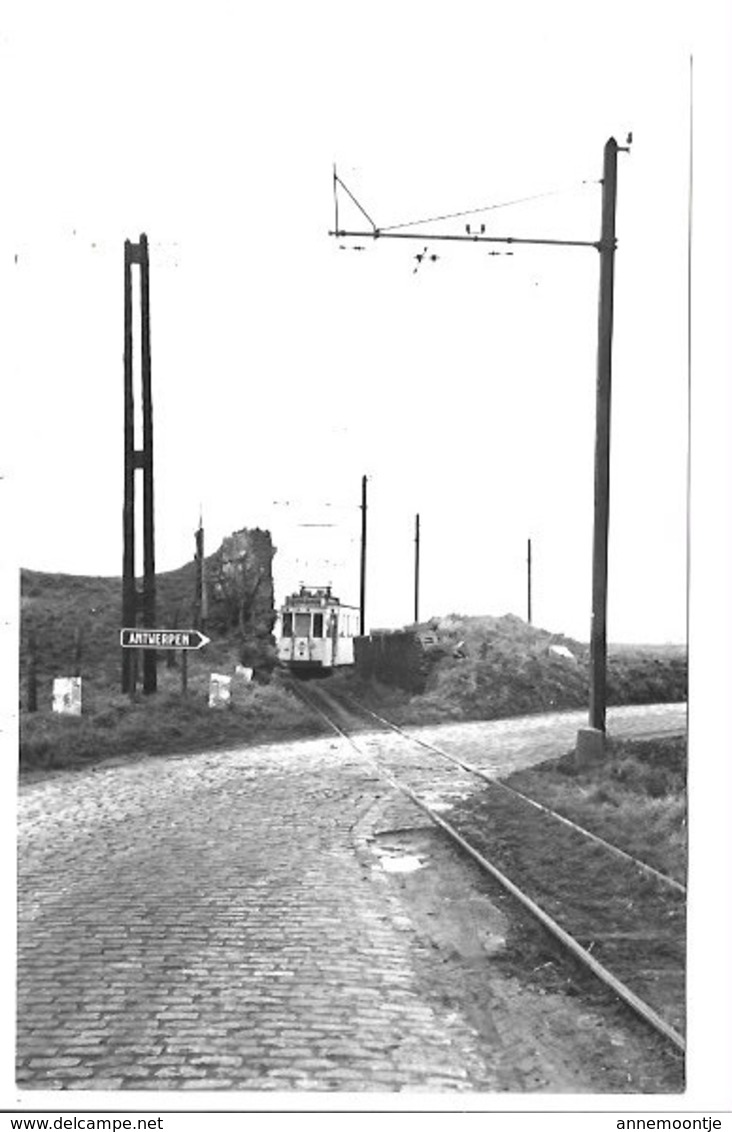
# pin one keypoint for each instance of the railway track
(619, 917)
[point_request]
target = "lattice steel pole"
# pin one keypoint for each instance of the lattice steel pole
(134, 459)
(149, 672)
(129, 593)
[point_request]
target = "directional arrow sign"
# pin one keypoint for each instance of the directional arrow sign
(162, 639)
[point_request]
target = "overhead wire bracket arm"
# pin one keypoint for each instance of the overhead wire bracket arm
(470, 239)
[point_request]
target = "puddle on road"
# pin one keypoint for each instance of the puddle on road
(406, 864)
(440, 894)
(445, 800)
(394, 859)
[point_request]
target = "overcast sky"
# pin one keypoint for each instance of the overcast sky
(287, 364)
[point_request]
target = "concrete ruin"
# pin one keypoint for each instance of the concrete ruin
(241, 593)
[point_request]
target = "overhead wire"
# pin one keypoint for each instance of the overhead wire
(484, 208)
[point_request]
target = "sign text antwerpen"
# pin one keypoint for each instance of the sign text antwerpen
(162, 639)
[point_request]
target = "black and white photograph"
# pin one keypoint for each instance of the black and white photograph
(365, 583)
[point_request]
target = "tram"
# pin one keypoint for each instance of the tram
(315, 631)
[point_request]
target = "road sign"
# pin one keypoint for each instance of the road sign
(162, 639)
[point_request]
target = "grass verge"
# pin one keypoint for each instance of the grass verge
(635, 799)
(632, 923)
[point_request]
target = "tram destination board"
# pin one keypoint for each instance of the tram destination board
(162, 639)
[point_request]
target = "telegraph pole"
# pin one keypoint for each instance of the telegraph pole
(32, 672)
(362, 626)
(416, 569)
(200, 610)
(528, 580)
(200, 604)
(598, 630)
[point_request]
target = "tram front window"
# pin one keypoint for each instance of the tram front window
(302, 624)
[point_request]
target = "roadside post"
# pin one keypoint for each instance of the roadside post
(32, 673)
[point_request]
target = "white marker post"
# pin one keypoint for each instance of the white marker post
(219, 694)
(67, 695)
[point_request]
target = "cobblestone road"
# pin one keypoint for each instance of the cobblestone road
(209, 923)
(216, 922)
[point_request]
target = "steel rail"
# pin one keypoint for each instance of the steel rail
(623, 992)
(664, 878)
(639, 864)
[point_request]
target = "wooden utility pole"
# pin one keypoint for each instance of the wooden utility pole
(416, 569)
(78, 649)
(362, 621)
(598, 629)
(528, 581)
(200, 603)
(32, 673)
(199, 600)
(132, 603)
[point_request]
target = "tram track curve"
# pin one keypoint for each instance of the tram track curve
(434, 791)
(616, 850)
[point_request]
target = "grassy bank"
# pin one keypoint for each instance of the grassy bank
(113, 725)
(514, 679)
(476, 668)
